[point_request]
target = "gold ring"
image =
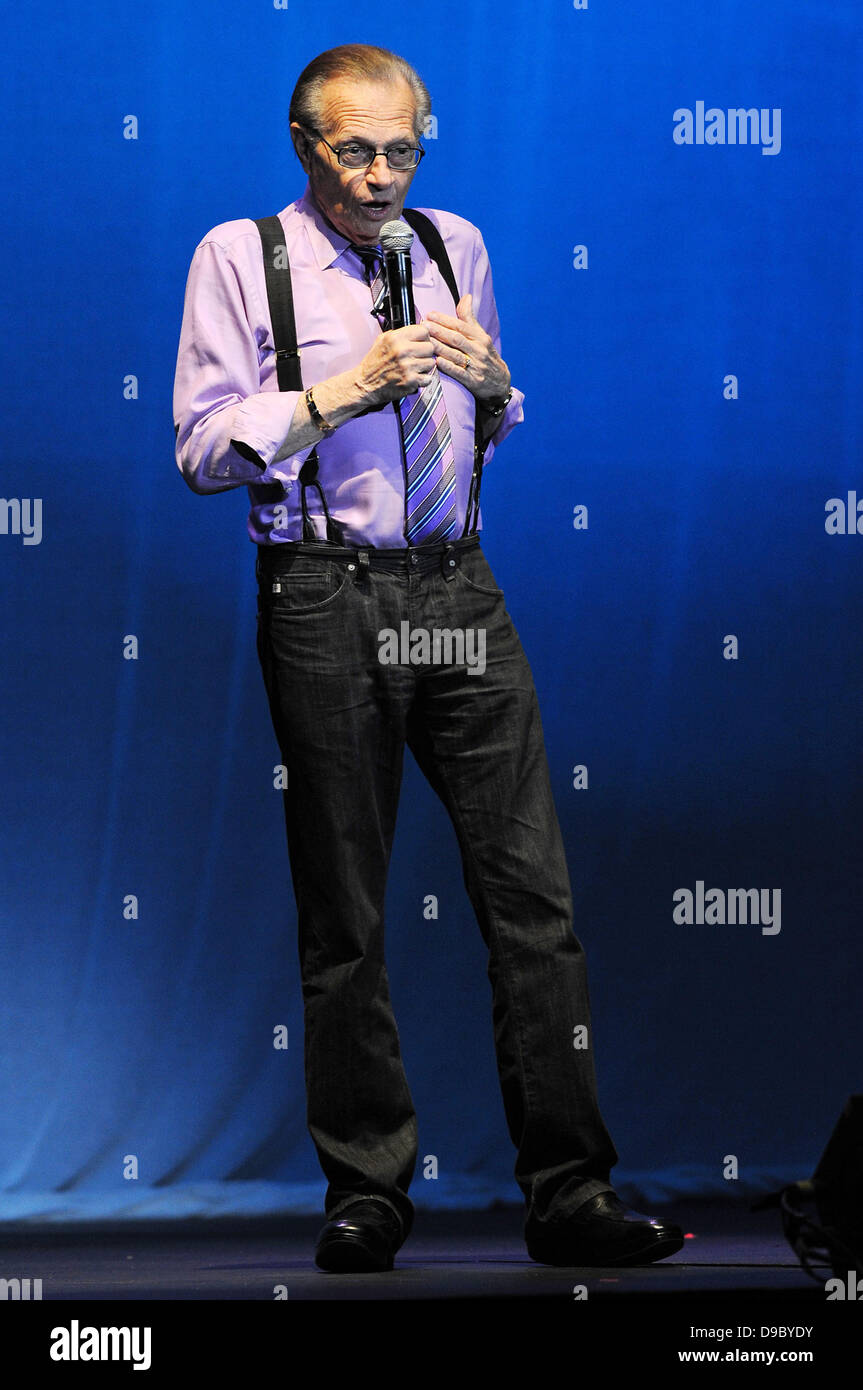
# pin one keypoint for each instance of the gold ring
(466, 362)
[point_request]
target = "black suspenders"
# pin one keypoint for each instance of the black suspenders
(281, 299)
(280, 295)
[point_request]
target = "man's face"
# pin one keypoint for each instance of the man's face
(358, 201)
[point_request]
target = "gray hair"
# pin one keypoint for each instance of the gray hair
(364, 63)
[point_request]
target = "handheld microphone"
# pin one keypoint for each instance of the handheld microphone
(396, 238)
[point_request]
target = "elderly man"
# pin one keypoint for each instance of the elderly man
(363, 459)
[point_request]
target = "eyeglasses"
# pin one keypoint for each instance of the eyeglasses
(355, 155)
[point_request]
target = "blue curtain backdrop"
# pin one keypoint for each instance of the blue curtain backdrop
(692, 380)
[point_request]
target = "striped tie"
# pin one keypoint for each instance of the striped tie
(430, 500)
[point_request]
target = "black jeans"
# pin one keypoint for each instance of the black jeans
(342, 716)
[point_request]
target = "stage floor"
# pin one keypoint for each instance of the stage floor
(449, 1255)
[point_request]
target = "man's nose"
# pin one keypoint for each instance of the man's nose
(379, 170)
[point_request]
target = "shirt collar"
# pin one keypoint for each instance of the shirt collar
(328, 245)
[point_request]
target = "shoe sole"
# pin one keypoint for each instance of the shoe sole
(646, 1254)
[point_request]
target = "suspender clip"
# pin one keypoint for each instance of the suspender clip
(448, 563)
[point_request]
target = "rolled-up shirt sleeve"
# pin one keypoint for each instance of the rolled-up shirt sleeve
(485, 312)
(228, 431)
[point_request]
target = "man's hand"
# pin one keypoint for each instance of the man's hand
(465, 351)
(401, 362)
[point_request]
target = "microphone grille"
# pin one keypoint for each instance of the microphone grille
(396, 236)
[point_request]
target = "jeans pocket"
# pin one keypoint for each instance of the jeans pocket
(475, 571)
(306, 587)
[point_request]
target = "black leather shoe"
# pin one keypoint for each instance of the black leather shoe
(602, 1232)
(363, 1238)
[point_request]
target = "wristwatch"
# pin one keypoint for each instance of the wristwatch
(315, 415)
(496, 406)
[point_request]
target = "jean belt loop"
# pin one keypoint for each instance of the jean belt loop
(363, 557)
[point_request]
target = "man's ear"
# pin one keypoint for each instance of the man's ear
(302, 145)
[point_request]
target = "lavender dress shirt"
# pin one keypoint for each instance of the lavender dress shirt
(226, 386)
